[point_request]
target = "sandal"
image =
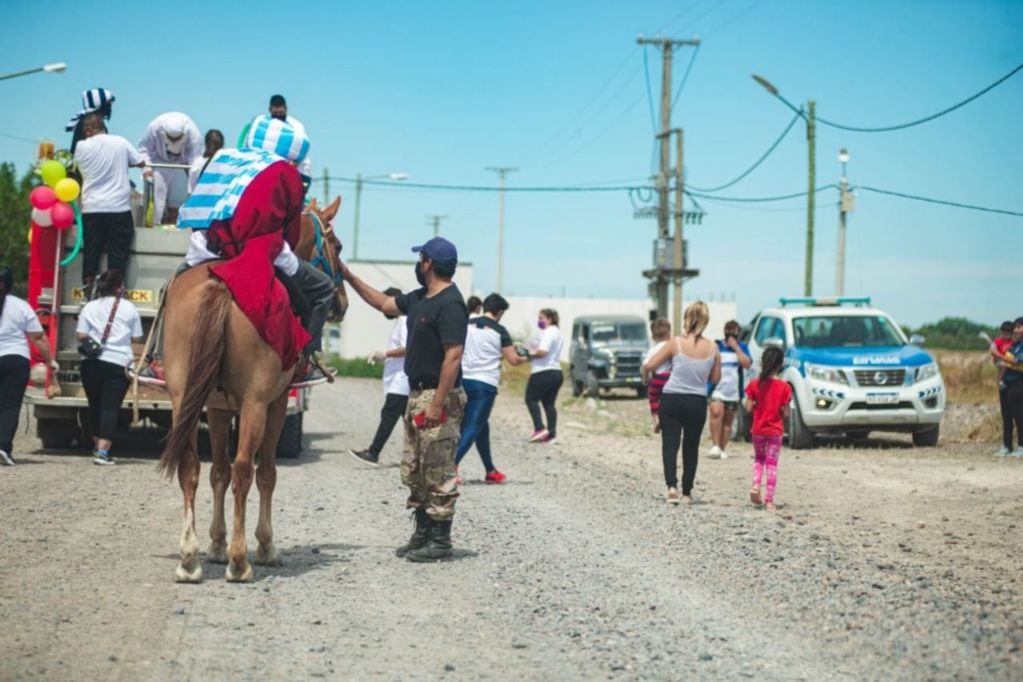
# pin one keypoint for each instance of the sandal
(672, 496)
(754, 496)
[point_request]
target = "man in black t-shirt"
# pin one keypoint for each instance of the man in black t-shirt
(437, 320)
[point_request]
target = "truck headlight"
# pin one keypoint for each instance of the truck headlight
(829, 374)
(925, 372)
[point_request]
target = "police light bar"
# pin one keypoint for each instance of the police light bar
(822, 301)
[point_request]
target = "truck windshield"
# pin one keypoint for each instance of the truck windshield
(848, 331)
(610, 332)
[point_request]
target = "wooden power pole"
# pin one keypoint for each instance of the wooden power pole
(667, 46)
(501, 171)
(435, 221)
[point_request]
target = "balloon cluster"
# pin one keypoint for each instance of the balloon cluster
(51, 201)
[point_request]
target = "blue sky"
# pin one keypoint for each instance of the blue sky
(442, 90)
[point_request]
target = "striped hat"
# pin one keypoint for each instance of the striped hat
(92, 100)
(277, 137)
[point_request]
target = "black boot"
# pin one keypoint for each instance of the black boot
(420, 535)
(439, 546)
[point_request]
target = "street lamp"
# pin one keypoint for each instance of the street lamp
(845, 205)
(811, 143)
(358, 199)
(46, 68)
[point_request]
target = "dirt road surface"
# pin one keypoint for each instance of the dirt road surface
(882, 562)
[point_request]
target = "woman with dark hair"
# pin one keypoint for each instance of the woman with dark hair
(114, 324)
(18, 326)
(1012, 360)
(545, 377)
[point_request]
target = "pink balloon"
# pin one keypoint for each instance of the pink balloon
(42, 218)
(63, 216)
(43, 197)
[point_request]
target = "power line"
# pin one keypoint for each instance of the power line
(649, 92)
(685, 77)
(910, 124)
(487, 188)
(729, 22)
(781, 197)
(763, 157)
(929, 200)
(18, 137)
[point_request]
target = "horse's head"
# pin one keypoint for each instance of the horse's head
(320, 246)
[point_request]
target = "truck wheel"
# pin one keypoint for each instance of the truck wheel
(928, 438)
(641, 391)
(289, 446)
(56, 433)
(592, 386)
(577, 386)
(800, 437)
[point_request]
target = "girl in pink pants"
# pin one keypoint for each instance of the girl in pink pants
(768, 398)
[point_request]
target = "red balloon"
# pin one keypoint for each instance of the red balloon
(43, 197)
(63, 215)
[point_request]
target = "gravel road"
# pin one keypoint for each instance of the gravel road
(882, 562)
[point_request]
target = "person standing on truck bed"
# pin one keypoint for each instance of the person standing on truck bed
(99, 100)
(103, 161)
(437, 325)
(279, 110)
(171, 137)
(18, 326)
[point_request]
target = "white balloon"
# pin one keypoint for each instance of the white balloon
(42, 218)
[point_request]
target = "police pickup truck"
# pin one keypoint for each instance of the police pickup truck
(851, 369)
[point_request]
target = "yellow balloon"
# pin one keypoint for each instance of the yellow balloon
(67, 189)
(30, 236)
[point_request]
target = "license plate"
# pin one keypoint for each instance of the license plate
(633, 380)
(882, 398)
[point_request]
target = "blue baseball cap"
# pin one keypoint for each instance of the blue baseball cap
(439, 250)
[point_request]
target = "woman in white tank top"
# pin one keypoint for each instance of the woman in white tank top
(695, 362)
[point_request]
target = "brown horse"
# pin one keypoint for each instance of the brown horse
(214, 357)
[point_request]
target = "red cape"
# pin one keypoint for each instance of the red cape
(269, 210)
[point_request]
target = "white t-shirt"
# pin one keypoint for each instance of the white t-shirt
(199, 252)
(549, 340)
(103, 161)
(481, 358)
(127, 325)
(17, 319)
(664, 367)
(395, 379)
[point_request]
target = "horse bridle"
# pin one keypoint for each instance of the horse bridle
(324, 250)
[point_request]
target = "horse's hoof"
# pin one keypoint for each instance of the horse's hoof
(217, 553)
(183, 575)
(267, 557)
(238, 576)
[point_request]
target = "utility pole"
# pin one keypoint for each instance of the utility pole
(811, 196)
(845, 205)
(667, 46)
(435, 221)
(501, 171)
(355, 230)
(326, 186)
(679, 261)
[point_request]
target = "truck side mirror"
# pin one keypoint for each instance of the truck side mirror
(775, 342)
(916, 340)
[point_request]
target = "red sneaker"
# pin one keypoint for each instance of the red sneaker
(496, 477)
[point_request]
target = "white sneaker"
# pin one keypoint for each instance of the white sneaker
(724, 455)
(5, 459)
(715, 452)
(1003, 452)
(1018, 452)
(102, 460)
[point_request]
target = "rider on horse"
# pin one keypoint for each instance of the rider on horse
(247, 206)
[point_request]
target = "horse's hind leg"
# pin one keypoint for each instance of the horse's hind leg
(251, 426)
(189, 570)
(220, 477)
(266, 480)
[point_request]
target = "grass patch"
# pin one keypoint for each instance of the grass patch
(357, 367)
(970, 377)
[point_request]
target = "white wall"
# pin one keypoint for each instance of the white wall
(366, 330)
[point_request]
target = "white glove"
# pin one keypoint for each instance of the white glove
(376, 356)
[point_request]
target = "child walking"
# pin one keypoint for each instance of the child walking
(768, 398)
(660, 331)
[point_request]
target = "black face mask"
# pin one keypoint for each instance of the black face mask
(420, 277)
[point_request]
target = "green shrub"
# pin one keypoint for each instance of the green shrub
(357, 367)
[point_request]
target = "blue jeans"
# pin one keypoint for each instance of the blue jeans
(476, 427)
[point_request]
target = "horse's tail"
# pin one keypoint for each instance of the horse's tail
(204, 362)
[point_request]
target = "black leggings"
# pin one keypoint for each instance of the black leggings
(13, 380)
(543, 387)
(105, 385)
(682, 418)
(390, 413)
(1012, 402)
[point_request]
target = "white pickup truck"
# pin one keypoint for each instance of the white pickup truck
(852, 370)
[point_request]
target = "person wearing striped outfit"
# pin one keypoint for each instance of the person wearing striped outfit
(660, 332)
(98, 100)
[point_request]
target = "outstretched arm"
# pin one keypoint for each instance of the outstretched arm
(373, 297)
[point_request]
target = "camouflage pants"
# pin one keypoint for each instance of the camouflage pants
(428, 461)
